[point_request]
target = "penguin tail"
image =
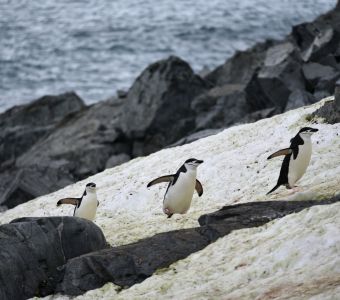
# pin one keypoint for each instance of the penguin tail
(273, 189)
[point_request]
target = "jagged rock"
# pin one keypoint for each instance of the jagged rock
(314, 72)
(221, 106)
(130, 264)
(240, 68)
(21, 185)
(22, 126)
(196, 136)
(116, 160)
(160, 98)
(330, 111)
(299, 98)
(277, 79)
(83, 144)
(316, 39)
(259, 115)
(31, 250)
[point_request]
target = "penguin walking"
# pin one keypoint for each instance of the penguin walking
(86, 205)
(181, 187)
(297, 158)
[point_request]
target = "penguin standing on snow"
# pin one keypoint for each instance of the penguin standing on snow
(297, 158)
(178, 196)
(86, 205)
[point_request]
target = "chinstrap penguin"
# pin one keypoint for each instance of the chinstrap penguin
(181, 187)
(297, 158)
(86, 205)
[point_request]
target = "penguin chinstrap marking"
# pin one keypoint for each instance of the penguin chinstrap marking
(296, 160)
(86, 205)
(181, 187)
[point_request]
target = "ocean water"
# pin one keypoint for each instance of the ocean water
(97, 47)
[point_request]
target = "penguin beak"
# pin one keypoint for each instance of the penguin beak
(314, 130)
(199, 161)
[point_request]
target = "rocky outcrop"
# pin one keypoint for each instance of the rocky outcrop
(31, 250)
(158, 105)
(130, 264)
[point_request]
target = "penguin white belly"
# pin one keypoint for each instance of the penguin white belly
(179, 196)
(298, 166)
(87, 208)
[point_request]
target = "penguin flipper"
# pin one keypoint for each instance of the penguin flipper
(199, 188)
(73, 201)
(273, 189)
(166, 178)
(285, 151)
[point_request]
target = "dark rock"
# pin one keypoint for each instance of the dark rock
(21, 185)
(160, 98)
(254, 214)
(277, 79)
(31, 250)
(330, 111)
(259, 115)
(116, 160)
(220, 107)
(240, 68)
(316, 39)
(314, 72)
(22, 126)
(299, 98)
(83, 144)
(130, 264)
(196, 136)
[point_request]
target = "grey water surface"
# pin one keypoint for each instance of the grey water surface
(97, 47)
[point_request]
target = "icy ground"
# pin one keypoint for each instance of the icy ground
(297, 257)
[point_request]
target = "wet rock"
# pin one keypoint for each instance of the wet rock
(299, 98)
(31, 250)
(130, 264)
(160, 98)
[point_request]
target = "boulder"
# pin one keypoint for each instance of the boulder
(330, 111)
(130, 264)
(316, 39)
(116, 160)
(314, 72)
(21, 185)
(277, 79)
(160, 99)
(31, 250)
(299, 98)
(82, 144)
(22, 126)
(220, 107)
(240, 68)
(196, 136)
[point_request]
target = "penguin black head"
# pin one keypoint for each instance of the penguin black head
(193, 162)
(307, 131)
(90, 187)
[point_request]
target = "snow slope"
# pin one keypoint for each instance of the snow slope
(297, 256)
